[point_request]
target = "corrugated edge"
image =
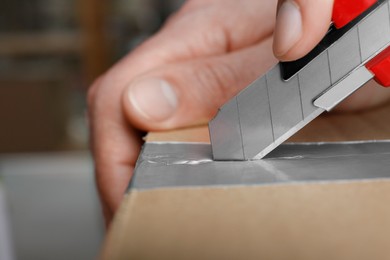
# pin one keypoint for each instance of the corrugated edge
(112, 247)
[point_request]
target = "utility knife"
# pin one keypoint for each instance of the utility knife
(292, 94)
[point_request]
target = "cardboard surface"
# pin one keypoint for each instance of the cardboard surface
(316, 220)
(178, 165)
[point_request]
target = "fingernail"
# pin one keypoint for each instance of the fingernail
(154, 99)
(288, 29)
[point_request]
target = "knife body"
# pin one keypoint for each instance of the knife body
(272, 109)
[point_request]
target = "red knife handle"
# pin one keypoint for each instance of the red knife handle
(345, 11)
(380, 67)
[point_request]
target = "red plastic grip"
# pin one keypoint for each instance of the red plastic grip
(345, 11)
(380, 66)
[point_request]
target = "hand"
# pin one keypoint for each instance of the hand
(300, 26)
(206, 53)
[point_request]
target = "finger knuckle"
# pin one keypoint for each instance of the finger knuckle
(219, 81)
(225, 77)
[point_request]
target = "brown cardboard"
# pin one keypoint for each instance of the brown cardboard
(316, 221)
(340, 220)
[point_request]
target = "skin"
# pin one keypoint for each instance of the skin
(208, 51)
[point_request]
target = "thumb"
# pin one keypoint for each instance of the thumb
(300, 26)
(187, 93)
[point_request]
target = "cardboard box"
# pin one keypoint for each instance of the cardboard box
(313, 201)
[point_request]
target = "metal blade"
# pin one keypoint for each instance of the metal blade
(271, 110)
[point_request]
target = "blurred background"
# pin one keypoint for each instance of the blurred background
(50, 52)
